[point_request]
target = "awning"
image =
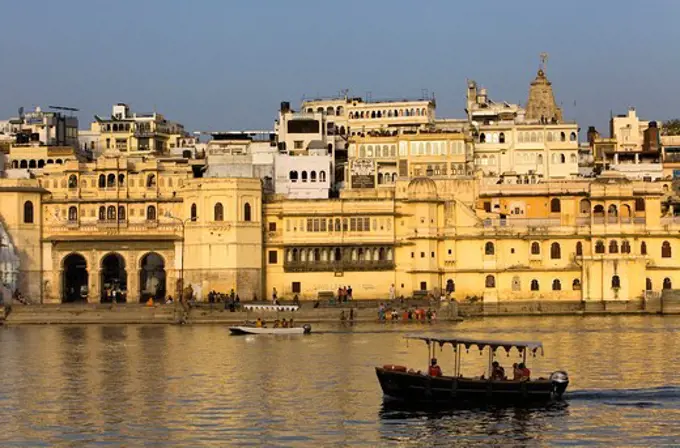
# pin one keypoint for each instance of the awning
(533, 346)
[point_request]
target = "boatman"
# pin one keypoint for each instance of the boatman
(434, 369)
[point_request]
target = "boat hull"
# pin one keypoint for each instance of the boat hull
(418, 388)
(242, 330)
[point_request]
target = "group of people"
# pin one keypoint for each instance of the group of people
(386, 313)
(283, 323)
(231, 301)
(345, 294)
(520, 372)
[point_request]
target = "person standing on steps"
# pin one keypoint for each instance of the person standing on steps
(274, 297)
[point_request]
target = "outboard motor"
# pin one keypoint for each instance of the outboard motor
(308, 329)
(560, 381)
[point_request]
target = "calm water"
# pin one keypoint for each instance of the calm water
(197, 386)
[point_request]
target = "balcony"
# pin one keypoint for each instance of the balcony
(338, 266)
(522, 222)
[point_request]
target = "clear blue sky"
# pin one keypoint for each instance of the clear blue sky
(218, 64)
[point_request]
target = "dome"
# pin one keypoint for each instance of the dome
(422, 188)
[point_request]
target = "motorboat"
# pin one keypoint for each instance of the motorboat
(252, 329)
(414, 387)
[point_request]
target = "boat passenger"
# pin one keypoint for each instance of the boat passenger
(434, 369)
(258, 323)
(290, 323)
(516, 372)
(284, 323)
(497, 371)
(524, 372)
(277, 324)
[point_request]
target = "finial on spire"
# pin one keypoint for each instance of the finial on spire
(544, 61)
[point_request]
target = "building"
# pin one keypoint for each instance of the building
(40, 128)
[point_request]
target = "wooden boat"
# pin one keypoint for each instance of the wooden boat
(251, 329)
(400, 383)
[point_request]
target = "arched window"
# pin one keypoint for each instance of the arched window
(667, 283)
(556, 285)
(450, 286)
(151, 213)
(111, 180)
(666, 250)
(613, 247)
(576, 285)
(121, 180)
(643, 248)
(598, 211)
(612, 211)
(535, 248)
(555, 251)
(102, 213)
(533, 137)
(625, 247)
(194, 213)
(563, 137)
(312, 176)
(121, 213)
(32, 164)
(599, 247)
(73, 214)
(304, 176)
(322, 176)
(579, 249)
(572, 137)
(482, 138)
(28, 212)
(534, 285)
(219, 212)
(555, 205)
(572, 158)
(72, 181)
(489, 248)
(584, 207)
(616, 282)
(246, 212)
(151, 180)
(111, 213)
(102, 181)
(501, 137)
(648, 284)
(293, 176)
(490, 281)
(563, 158)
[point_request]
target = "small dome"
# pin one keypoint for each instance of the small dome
(422, 188)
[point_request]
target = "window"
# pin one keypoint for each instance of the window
(102, 213)
(111, 180)
(490, 281)
(555, 251)
(272, 227)
(111, 213)
(322, 176)
(297, 144)
(293, 176)
(489, 248)
(534, 285)
(72, 181)
(643, 248)
(667, 283)
(576, 285)
(666, 250)
(616, 282)
(304, 176)
(151, 213)
(572, 137)
(648, 284)
(219, 212)
(625, 247)
(194, 214)
(151, 181)
(556, 285)
(102, 181)
(535, 248)
(296, 287)
(312, 176)
(73, 214)
(563, 136)
(273, 257)
(121, 213)
(613, 247)
(501, 138)
(422, 255)
(121, 180)
(28, 212)
(639, 204)
(579, 249)
(246, 212)
(555, 206)
(599, 247)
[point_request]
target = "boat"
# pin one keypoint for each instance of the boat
(251, 329)
(414, 387)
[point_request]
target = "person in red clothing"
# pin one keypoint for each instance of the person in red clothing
(525, 373)
(434, 369)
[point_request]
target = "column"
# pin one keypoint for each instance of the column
(94, 290)
(133, 295)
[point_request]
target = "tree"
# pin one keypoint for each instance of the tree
(671, 127)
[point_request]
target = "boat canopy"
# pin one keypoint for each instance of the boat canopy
(532, 346)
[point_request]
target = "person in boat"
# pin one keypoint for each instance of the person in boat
(525, 373)
(290, 323)
(434, 369)
(258, 323)
(277, 324)
(284, 323)
(497, 371)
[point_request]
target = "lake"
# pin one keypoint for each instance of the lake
(198, 386)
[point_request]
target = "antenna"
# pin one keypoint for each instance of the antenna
(544, 61)
(21, 112)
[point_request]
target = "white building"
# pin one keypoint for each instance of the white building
(304, 176)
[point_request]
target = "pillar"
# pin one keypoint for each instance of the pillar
(133, 295)
(94, 290)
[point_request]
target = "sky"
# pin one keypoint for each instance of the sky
(223, 65)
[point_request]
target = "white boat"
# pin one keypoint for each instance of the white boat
(247, 329)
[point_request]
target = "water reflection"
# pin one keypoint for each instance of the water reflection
(187, 386)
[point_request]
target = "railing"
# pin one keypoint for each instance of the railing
(309, 266)
(668, 220)
(521, 222)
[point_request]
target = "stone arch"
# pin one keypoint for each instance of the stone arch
(113, 277)
(74, 278)
(152, 277)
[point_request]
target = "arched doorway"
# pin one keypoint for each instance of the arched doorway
(74, 279)
(114, 278)
(152, 277)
